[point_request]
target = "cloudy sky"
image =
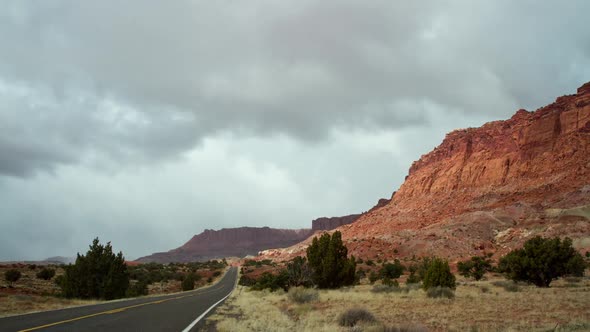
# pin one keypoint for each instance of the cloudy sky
(145, 122)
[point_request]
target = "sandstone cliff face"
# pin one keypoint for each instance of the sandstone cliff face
(230, 242)
(488, 189)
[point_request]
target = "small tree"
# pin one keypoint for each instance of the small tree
(327, 257)
(438, 275)
(46, 274)
(12, 276)
(541, 260)
(98, 274)
(476, 267)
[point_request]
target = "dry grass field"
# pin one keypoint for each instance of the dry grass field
(477, 306)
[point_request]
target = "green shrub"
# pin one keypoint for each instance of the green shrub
(390, 282)
(440, 292)
(216, 273)
(12, 276)
(438, 275)
(392, 271)
(303, 295)
(46, 274)
(246, 281)
(139, 288)
(330, 266)
(98, 274)
(541, 260)
(188, 283)
(373, 277)
(413, 279)
(59, 280)
(418, 270)
(476, 267)
(352, 317)
(272, 282)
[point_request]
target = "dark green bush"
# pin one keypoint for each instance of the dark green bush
(12, 276)
(352, 317)
(440, 292)
(541, 260)
(139, 288)
(392, 270)
(438, 275)
(418, 270)
(188, 283)
(390, 282)
(98, 274)
(373, 277)
(476, 267)
(273, 282)
(246, 281)
(46, 274)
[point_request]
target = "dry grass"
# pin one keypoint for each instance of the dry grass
(560, 308)
(13, 304)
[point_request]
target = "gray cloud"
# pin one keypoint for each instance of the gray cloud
(326, 102)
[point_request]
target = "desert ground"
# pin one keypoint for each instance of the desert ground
(488, 305)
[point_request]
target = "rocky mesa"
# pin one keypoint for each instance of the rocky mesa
(487, 189)
(229, 242)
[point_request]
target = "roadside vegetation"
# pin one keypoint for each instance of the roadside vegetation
(422, 295)
(97, 275)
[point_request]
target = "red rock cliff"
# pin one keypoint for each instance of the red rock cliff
(488, 189)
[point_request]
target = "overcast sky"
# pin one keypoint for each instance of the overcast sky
(146, 122)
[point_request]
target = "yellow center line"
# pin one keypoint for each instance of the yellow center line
(117, 310)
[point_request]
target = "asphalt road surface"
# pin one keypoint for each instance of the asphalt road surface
(175, 312)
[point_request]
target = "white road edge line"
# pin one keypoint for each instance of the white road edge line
(188, 328)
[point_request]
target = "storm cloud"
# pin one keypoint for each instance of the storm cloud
(146, 122)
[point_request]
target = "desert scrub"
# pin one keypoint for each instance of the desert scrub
(389, 289)
(440, 292)
(303, 295)
(509, 286)
(352, 317)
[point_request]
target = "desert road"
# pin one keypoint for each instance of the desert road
(175, 312)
